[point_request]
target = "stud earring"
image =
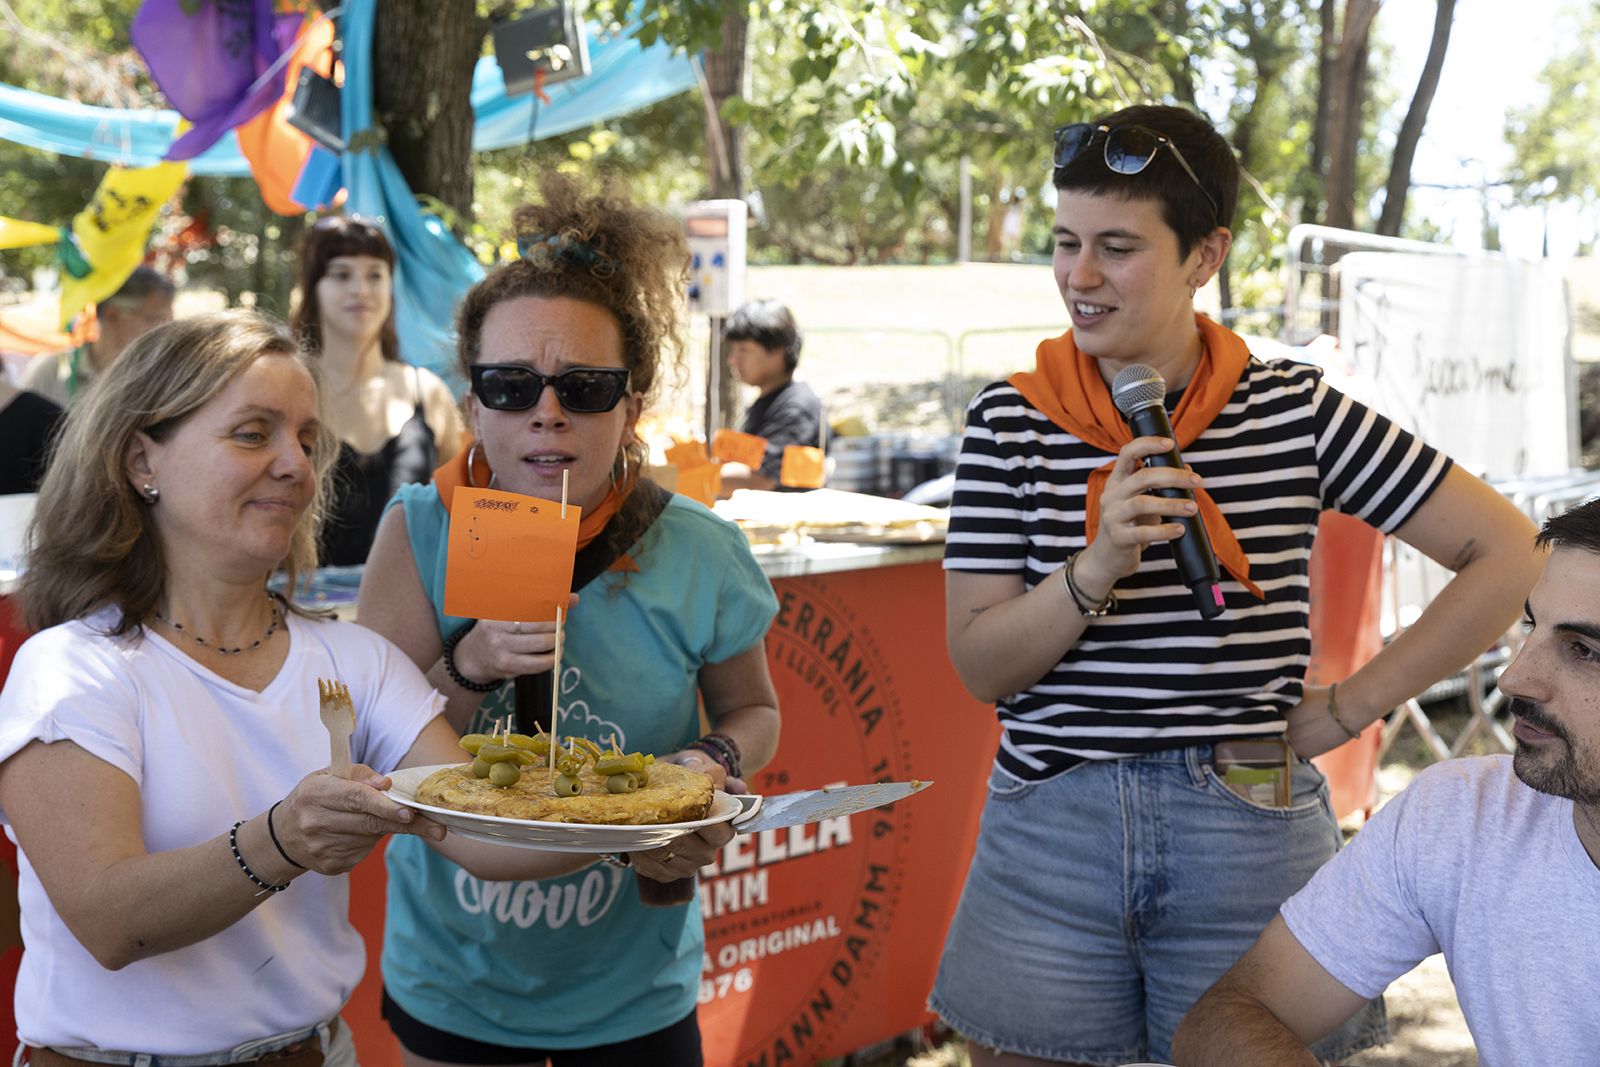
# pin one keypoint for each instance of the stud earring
(150, 493)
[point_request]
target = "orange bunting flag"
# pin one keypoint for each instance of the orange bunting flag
(731, 446)
(509, 556)
(702, 483)
(686, 454)
(802, 467)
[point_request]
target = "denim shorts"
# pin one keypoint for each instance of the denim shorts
(1102, 902)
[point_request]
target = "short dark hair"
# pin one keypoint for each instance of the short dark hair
(1577, 527)
(140, 284)
(770, 325)
(1184, 207)
(326, 239)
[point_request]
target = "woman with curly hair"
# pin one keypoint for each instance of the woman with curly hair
(564, 347)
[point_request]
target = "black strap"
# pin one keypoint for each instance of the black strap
(531, 692)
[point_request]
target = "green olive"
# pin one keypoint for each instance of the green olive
(473, 742)
(621, 783)
(504, 774)
(567, 786)
(480, 769)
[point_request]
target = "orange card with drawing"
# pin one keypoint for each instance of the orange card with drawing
(509, 556)
(702, 483)
(686, 454)
(731, 446)
(802, 467)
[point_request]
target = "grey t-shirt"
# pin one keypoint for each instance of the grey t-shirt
(1470, 862)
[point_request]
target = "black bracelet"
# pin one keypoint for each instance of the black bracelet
(450, 663)
(619, 860)
(233, 846)
(278, 844)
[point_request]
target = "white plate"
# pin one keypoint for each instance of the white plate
(552, 836)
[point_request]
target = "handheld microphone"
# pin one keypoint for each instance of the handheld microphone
(1139, 392)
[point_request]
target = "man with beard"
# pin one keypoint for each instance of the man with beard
(1494, 861)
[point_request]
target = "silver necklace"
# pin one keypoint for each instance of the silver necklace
(219, 649)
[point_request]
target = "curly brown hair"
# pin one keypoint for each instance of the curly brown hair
(593, 243)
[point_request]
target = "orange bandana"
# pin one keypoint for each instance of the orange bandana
(1068, 388)
(590, 525)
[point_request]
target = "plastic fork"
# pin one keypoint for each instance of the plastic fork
(339, 717)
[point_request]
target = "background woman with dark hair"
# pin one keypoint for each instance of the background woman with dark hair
(394, 422)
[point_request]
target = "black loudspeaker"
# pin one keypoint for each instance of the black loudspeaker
(550, 38)
(314, 110)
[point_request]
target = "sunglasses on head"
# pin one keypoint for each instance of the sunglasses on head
(517, 387)
(1128, 150)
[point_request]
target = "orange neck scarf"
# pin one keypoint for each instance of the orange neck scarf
(1068, 388)
(590, 524)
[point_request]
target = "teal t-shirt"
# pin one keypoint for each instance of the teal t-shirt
(577, 962)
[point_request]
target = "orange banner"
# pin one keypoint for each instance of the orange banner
(731, 446)
(509, 556)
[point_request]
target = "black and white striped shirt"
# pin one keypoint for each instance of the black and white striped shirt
(1153, 674)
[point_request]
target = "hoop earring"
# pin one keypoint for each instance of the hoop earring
(472, 459)
(623, 456)
(150, 493)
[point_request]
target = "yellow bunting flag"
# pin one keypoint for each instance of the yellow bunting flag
(112, 230)
(731, 446)
(802, 467)
(14, 233)
(509, 556)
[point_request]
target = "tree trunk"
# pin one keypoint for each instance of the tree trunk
(1405, 146)
(424, 52)
(994, 235)
(1313, 192)
(725, 69)
(1348, 90)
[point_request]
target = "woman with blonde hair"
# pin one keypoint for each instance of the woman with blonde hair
(164, 771)
(564, 347)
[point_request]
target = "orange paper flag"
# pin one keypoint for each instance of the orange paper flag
(702, 483)
(731, 446)
(686, 454)
(802, 467)
(510, 556)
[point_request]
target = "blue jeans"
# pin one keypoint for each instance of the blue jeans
(1101, 903)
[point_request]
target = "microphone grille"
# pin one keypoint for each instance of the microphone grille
(1137, 386)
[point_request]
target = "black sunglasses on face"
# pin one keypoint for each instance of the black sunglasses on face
(517, 387)
(1129, 150)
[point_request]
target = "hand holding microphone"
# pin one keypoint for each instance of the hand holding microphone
(1139, 393)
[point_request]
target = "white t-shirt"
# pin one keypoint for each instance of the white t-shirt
(204, 753)
(1470, 862)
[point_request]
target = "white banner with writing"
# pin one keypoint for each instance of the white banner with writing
(1471, 353)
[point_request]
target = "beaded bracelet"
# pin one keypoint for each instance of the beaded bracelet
(450, 663)
(233, 846)
(722, 748)
(276, 843)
